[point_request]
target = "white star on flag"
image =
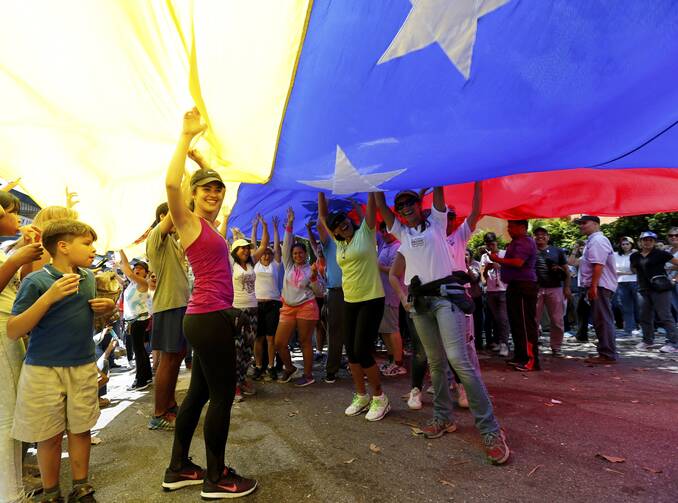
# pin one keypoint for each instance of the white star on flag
(347, 179)
(451, 24)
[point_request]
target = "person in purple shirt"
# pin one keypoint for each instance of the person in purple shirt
(518, 273)
(598, 277)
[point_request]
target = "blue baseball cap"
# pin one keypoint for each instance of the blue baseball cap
(648, 234)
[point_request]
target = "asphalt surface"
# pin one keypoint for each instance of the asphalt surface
(301, 447)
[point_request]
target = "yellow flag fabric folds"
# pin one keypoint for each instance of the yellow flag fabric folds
(93, 94)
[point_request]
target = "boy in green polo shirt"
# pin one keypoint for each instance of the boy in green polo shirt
(58, 383)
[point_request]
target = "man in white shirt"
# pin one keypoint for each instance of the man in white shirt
(597, 275)
(496, 292)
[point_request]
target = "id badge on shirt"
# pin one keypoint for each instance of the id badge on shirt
(416, 242)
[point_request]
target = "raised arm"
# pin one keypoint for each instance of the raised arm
(324, 232)
(311, 237)
(371, 211)
(186, 222)
(223, 226)
(476, 207)
(288, 240)
(439, 199)
(127, 269)
(357, 207)
(265, 238)
(386, 213)
(277, 255)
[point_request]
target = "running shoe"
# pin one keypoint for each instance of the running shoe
(503, 350)
(238, 395)
(436, 428)
(359, 404)
(414, 400)
(393, 369)
(189, 475)
(139, 386)
(643, 346)
(557, 353)
(600, 360)
(330, 378)
(304, 381)
(164, 422)
(82, 493)
(288, 375)
(230, 485)
(248, 389)
(258, 373)
(271, 374)
(668, 348)
(496, 448)
(379, 407)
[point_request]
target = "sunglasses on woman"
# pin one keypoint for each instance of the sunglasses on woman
(405, 203)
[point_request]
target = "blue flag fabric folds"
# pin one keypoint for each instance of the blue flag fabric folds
(400, 94)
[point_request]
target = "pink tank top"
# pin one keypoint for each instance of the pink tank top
(209, 259)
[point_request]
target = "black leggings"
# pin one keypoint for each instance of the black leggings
(212, 378)
(361, 327)
(137, 332)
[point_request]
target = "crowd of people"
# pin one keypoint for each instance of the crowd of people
(235, 306)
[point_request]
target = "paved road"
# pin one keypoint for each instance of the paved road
(301, 447)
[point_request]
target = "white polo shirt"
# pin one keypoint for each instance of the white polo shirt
(427, 254)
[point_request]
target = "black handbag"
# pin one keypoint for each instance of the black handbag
(661, 283)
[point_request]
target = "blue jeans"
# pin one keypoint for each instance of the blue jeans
(626, 297)
(441, 326)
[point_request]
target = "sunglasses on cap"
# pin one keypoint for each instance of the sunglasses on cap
(405, 203)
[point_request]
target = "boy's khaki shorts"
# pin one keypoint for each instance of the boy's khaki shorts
(53, 399)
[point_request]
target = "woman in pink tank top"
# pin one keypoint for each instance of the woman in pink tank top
(208, 326)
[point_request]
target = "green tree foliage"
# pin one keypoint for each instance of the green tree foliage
(563, 232)
(659, 223)
(477, 246)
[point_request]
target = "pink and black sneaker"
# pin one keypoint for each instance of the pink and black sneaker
(230, 485)
(189, 475)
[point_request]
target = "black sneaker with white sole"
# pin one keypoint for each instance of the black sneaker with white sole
(189, 475)
(230, 485)
(139, 385)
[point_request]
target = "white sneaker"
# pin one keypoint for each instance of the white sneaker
(414, 401)
(642, 346)
(568, 334)
(379, 407)
(359, 404)
(462, 399)
(503, 350)
(636, 332)
(430, 389)
(668, 348)
(390, 370)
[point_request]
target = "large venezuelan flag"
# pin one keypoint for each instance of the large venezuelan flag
(564, 106)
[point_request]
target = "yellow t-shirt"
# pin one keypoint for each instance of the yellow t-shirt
(358, 262)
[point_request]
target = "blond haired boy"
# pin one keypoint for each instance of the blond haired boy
(58, 384)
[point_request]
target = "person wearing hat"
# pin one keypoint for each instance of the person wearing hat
(496, 292)
(671, 269)
(518, 273)
(598, 277)
(440, 323)
(172, 292)
(208, 326)
(243, 260)
(363, 303)
(655, 289)
(137, 311)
